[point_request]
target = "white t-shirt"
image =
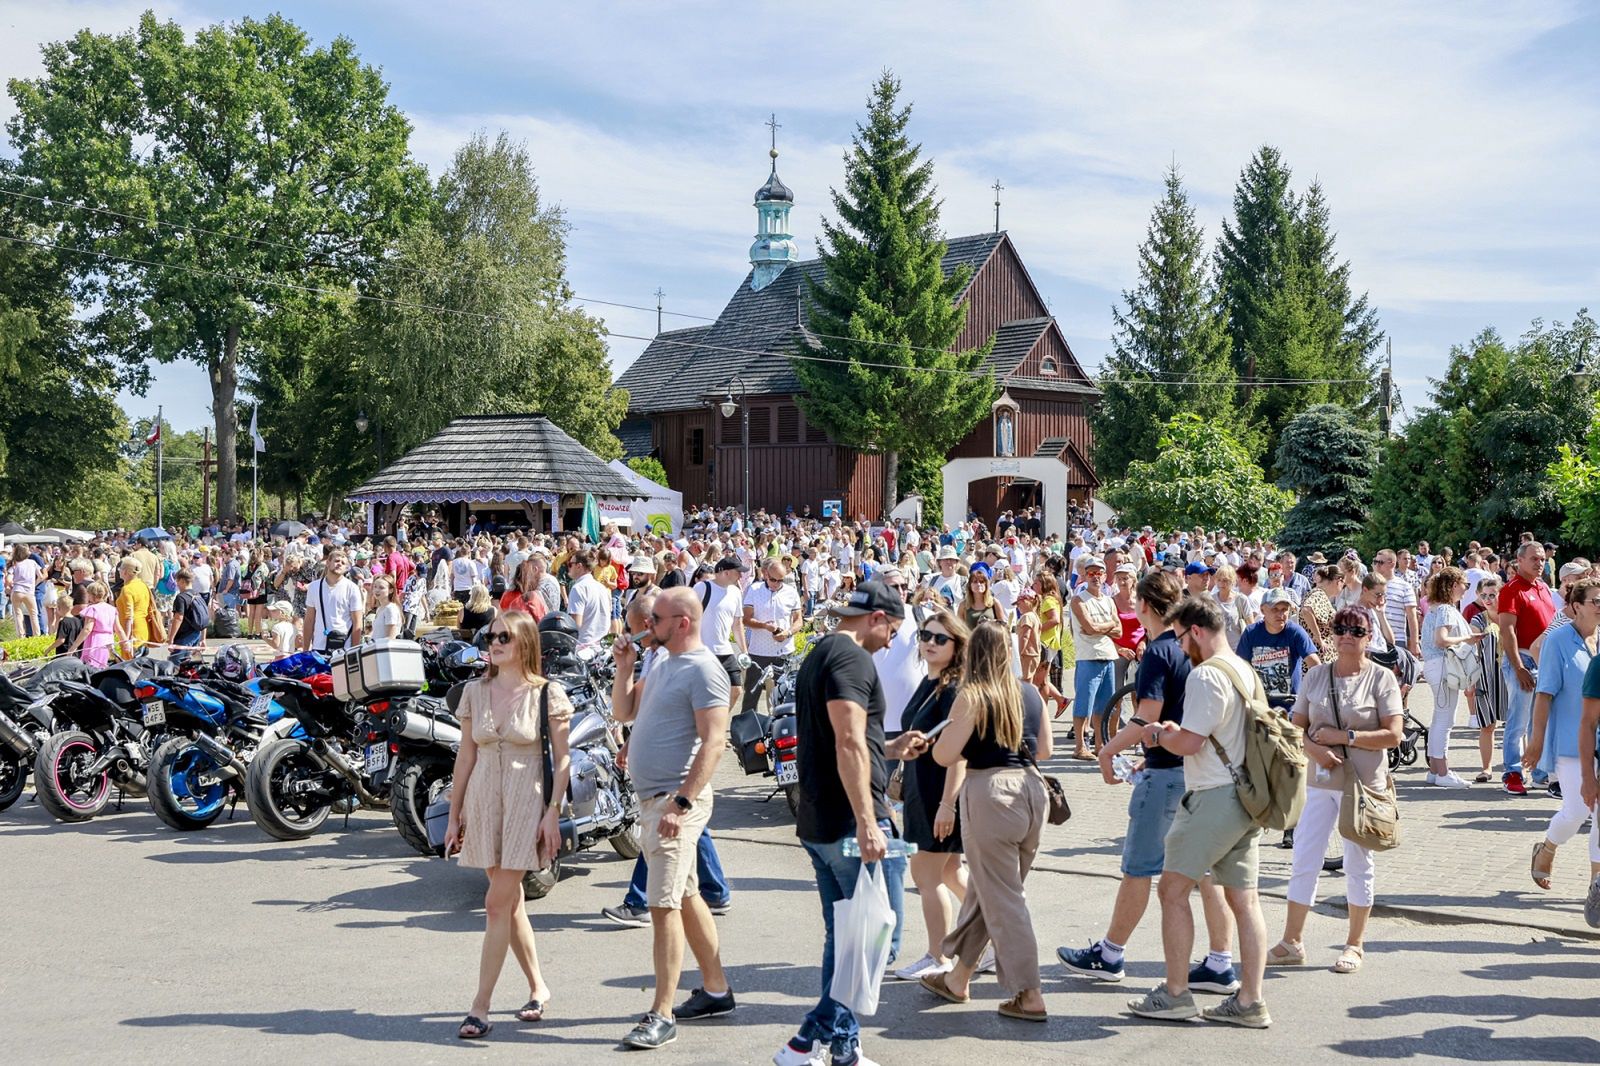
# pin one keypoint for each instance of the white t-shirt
(202, 578)
(463, 572)
(900, 671)
(769, 606)
(589, 603)
(1213, 707)
(722, 609)
(1474, 575)
(389, 615)
(1398, 595)
(336, 607)
(1005, 593)
(283, 634)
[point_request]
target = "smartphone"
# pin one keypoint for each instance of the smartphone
(936, 730)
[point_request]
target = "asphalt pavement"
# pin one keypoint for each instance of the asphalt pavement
(129, 943)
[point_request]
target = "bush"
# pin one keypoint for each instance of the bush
(27, 648)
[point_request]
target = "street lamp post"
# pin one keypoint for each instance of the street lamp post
(727, 407)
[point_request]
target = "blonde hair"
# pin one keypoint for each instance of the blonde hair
(525, 638)
(478, 600)
(97, 591)
(992, 693)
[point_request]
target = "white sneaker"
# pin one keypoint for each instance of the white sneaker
(788, 1056)
(923, 967)
(986, 960)
(1449, 780)
(1431, 779)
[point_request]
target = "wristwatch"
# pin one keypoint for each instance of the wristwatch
(684, 802)
(1351, 734)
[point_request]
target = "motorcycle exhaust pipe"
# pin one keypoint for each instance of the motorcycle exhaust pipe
(15, 738)
(233, 767)
(342, 767)
(413, 726)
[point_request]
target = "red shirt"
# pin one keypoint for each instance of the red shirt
(1474, 609)
(1531, 603)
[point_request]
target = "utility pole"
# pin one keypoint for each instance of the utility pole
(659, 295)
(1386, 388)
(160, 442)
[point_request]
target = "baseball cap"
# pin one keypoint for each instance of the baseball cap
(1127, 568)
(1197, 568)
(948, 552)
(871, 596)
(1093, 562)
(1277, 596)
(1573, 570)
(730, 562)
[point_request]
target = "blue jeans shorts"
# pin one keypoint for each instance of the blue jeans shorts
(1150, 812)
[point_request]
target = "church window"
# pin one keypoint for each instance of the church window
(1048, 366)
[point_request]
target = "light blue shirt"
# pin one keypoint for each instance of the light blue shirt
(1562, 664)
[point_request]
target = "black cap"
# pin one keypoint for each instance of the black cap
(730, 562)
(872, 596)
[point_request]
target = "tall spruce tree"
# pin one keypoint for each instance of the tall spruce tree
(1171, 346)
(1254, 257)
(884, 299)
(1347, 326)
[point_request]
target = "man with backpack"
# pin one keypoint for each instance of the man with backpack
(1224, 704)
(190, 616)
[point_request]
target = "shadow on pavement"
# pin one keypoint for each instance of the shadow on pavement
(1475, 1045)
(1501, 1009)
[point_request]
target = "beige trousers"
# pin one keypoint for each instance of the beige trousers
(1002, 815)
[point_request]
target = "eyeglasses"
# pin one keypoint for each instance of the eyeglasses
(656, 619)
(499, 636)
(1179, 636)
(938, 639)
(1349, 631)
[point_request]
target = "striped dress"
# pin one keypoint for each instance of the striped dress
(1492, 695)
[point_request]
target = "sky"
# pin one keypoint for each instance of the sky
(1454, 140)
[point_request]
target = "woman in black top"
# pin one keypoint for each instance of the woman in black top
(997, 728)
(930, 791)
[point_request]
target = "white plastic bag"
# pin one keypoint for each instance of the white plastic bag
(863, 928)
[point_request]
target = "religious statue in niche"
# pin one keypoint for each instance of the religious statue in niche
(1005, 432)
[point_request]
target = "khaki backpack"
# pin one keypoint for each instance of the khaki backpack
(1272, 781)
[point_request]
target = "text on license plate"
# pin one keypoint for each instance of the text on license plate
(377, 756)
(155, 714)
(789, 773)
(260, 706)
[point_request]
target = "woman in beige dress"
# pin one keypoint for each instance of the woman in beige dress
(499, 818)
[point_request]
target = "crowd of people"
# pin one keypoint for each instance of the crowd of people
(946, 658)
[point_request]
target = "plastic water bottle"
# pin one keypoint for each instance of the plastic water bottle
(1122, 767)
(898, 849)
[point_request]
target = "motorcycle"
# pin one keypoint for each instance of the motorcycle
(25, 724)
(294, 783)
(769, 743)
(101, 741)
(214, 728)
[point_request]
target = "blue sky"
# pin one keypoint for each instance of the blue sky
(1455, 140)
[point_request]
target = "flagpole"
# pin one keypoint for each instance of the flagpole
(160, 441)
(255, 478)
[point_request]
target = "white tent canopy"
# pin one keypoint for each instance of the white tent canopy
(68, 536)
(661, 510)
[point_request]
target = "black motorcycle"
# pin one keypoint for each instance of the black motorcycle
(25, 724)
(768, 742)
(100, 741)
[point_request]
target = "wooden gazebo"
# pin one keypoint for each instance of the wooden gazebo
(513, 467)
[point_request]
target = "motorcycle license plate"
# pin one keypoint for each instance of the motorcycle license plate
(155, 714)
(789, 773)
(261, 705)
(377, 756)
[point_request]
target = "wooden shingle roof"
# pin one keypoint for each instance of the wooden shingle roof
(486, 458)
(750, 339)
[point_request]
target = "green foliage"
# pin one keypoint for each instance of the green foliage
(1475, 465)
(1171, 345)
(1575, 479)
(1290, 311)
(1326, 458)
(648, 466)
(1201, 476)
(885, 290)
(249, 158)
(28, 648)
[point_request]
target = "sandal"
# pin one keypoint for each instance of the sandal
(1013, 1008)
(1284, 953)
(532, 1011)
(934, 983)
(1482, 778)
(1349, 959)
(1544, 858)
(473, 1028)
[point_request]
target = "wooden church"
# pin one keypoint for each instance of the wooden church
(678, 387)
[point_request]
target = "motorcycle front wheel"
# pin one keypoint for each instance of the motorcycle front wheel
(276, 805)
(179, 795)
(61, 782)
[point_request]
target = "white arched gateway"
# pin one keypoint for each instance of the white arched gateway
(1051, 474)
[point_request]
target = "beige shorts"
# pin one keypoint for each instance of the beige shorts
(1212, 832)
(671, 864)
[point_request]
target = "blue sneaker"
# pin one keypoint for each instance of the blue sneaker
(1204, 979)
(1088, 962)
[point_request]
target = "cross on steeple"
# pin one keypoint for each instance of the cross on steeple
(658, 294)
(997, 187)
(774, 125)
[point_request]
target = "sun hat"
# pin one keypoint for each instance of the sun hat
(948, 552)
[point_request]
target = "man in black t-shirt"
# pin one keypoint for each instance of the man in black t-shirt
(843, 766)
(1158, 696)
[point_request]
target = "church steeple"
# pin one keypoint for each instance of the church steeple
(774, 247)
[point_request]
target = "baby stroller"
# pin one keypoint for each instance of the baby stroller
(1413, 739)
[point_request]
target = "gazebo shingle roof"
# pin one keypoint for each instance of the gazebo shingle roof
(486, 458)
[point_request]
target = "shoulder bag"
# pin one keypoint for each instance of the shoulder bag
(1060, 810)
(1368, 816)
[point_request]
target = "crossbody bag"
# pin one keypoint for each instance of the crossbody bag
(1368, 816)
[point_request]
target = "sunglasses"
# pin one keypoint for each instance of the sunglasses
(656, 619)
(1349, 631)
(939, 639)
(499, 636)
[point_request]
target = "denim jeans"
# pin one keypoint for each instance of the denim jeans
(713, 883)
(1091, 685)
(1519, 714)
(836, 880)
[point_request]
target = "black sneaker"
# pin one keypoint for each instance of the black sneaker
(702, 1004)
(1088, 962)
(1555, 790)
(1204, 979)
(653, 1031)
(722, 906)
